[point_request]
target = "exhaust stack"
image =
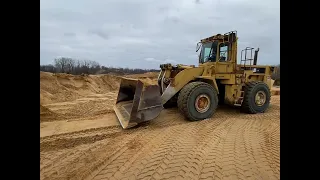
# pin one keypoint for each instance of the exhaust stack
(255, 56)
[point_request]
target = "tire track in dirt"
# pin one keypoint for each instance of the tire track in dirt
(271, 139)
(209, 167)
(153, 138)
(194, 156)
(169, 156)
(156, 140)
(236, 162)
(82, 133)
(64, 143)
(80, 165)
(55, 158)
(230, 145)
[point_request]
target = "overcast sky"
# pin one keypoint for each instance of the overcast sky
(145, 33)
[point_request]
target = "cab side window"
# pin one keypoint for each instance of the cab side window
(223, 52)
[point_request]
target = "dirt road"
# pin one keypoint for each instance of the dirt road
(81, 139)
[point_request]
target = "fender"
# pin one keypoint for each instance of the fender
(210, 80)
(179, 81)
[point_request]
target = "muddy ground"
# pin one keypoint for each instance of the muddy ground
(80, 137)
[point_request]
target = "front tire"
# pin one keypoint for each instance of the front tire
(256, 98)
(198, 101)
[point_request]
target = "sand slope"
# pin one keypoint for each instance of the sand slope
(68, 97)
(65, 87)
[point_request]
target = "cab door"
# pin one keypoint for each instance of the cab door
(224, 63)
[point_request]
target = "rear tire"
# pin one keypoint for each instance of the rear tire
(254, 91)
(187, 100)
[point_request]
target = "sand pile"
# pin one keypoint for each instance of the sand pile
(46, 114)
(148, 81)
(149, 78)
(66, 87)
(65, 96)
(44, 110)
(150, 75)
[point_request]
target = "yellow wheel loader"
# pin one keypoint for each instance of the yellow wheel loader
(198, 90)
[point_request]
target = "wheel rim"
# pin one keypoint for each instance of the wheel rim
(202, 103)
(260, 98)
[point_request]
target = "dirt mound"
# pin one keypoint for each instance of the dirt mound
(44, 110)
(91, 107)
(150, 75)
(66, 87)
(46, 114)
(149, 78)
(80, 97)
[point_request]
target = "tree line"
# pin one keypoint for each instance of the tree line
(77, 67)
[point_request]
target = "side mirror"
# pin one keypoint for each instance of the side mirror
(198, 46)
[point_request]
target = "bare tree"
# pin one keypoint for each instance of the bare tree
(48, 68)
(70, 65)
(74, 66)
(60, 64)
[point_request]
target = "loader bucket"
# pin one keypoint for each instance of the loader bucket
(137, 103)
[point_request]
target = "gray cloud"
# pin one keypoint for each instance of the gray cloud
(99, 33)
(69, 34)
(144, 33)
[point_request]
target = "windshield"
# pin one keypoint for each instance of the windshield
(208, 52)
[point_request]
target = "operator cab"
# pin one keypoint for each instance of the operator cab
(216, 48)
(209, 52)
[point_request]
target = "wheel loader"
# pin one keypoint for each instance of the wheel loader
(197, 91)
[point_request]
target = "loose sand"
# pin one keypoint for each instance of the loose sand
(80, 137)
